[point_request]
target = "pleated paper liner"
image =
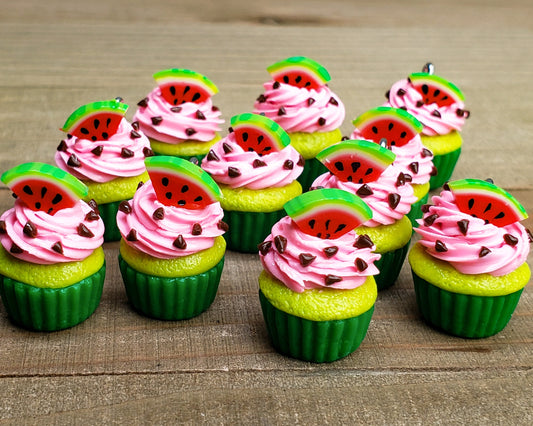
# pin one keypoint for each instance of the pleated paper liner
(176, 298)
(314, 341)
(390, 265)
(248, 229)
(445, 165)
(52, 309)
(461, 314)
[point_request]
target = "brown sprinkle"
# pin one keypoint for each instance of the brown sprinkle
(332, 279)
(126, 153)
(419, 104)
(510, 240)
(211, 156)
(180, 243)
(276, 85)
(282, 111)
(227, 147)
(258, 163)
(200, 115)
(281, 243)
(361, 264)
(364, 191)
(148, 152)
(233, 172)
(134, 134)
(98, 150)
(301, 161)
(30, 230)
(426, 153)
(91, 216)
(288, 165)
(196, 229)
(132, 235)
(429, 220)
(83, 231)
(223, 226)
(436, 113)
(425, 208)
(401, 92)
(159, 213)
(62, 146)
(124, 207)
(73, 161)
(94, 205)
(135, 125)
(363, 241)
(176, 109)
(484, 251)
(394, 200)
(15, 249)
(58, 247)
(463, 225)
(156, 121)
(3, 229)
(264, 247)
(143, 103)
(331, 251)
(310, 101)
(414, 167)
(321, 121)
(333, 101)
(190, 131)
(440, 246)
(306, 259)
(261, 99)
(529, 235)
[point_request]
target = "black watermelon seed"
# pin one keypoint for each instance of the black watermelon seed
(355, 166)
(403, 134)
(375, 130)
(96, 123)
(369, 171)
(286, 79)
(182, 203)
(184, 188)
(500, 215)
(312, 223)
(84, 131)
(391, 125)
(244, 136)
(340, 228)
(165, 181)
(168, 195)
(471, 203)
(339, 166)
(425, 89)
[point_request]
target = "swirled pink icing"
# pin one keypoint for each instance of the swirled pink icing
(383, 212)
(412, 158)
(287, 267)
(122, 155)
(156, 235)
(404, 95)
(229, 164)
(71, 234)
(299, 109)
(483, 249)
(189, 121)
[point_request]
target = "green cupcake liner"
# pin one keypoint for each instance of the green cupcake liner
(108, 213)
(51, 309)
(389, 265)
(416, 210)
(249, 229)
(444, 164)
(312, 169)
(172, 299)
(464, 315)
(315, 341)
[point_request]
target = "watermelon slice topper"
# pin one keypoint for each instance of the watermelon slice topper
(328, 213)
(96, 121)
(43, 187)
(357, 161)
(435, 89)
(181, 85)
(259, 134)
(299, 71)
(395, 125)
(487, 201)
(180, 183)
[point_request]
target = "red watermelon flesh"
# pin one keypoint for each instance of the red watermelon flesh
(300, 78)
(435, 89)
(259, 134)
(177, 93)
(299, 71)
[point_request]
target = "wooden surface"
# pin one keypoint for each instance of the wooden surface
(219, 368)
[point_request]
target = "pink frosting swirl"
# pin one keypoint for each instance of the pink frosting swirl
(380, 201)
(412, 158)
(69, 235)
(404, 95)
(299, 109)
(156, 235)
(287, 266)
(164, 122)
(483, 249)
(122, 155)
(236, 169)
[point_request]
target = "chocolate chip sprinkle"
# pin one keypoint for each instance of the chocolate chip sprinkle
(222, 226)
(484, 251)
(83, 231)
(132, 235)
(264, 247)
(134, 134)
(180, 243)
(141, 183)
(94, 205)
(57, 247)
(446, 187)
(361, 264)
(176, 109)
(426, 153)
(30, 230)
(333, 101)
(364, 191)
(276, 85)
(288, 165)
(440, 246)
(310, 101)
(387, 94)
(196, 229)
(429, 220)
(62, 146)
(190, 131)
(98, 150)
(135, 125)
(148, 152)
(143, 103)
(233, 172)
(3, 229)
(200, 115)
(91, 216)
(414, 167)
(363, 241)
(529, 235)
(211, 156)
(400, 180)
(281, 243)
(394, 200)
(401, 92)
(124, 207)
(332, 279)
(156, 121)
(419, 104)
(159, 213)
(306, 259)
(258, 163)
(15, 249)
(227, 147)
(510, 240)
(282, 111)
(73, 161)
(436, 113)
(434, 171)
(301, 161)
(425, 208)
(321, 121)
(463, 225)
(261, 99)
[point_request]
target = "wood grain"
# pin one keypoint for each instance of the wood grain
(219, 368)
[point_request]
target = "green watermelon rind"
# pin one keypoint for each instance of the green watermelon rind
(86, 111)
(182, 75)
(307, 205)
(444, 85)
(70, 185)
(247, 119)
(387, 113)
(372, 154)
(184, 168)
(477, 187)
(300, 63)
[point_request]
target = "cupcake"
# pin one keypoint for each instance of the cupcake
(439, 105)
(364, 168)
(469, 267)
(256, 168)
(317, 289)
(52, 265)
(106, 153)
(299, 100)
(172, 250)
(178, 116)
(399, 131)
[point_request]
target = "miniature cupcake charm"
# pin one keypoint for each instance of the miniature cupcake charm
(317, 289)
(299, 100)
(52, 265)
(469, 267)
